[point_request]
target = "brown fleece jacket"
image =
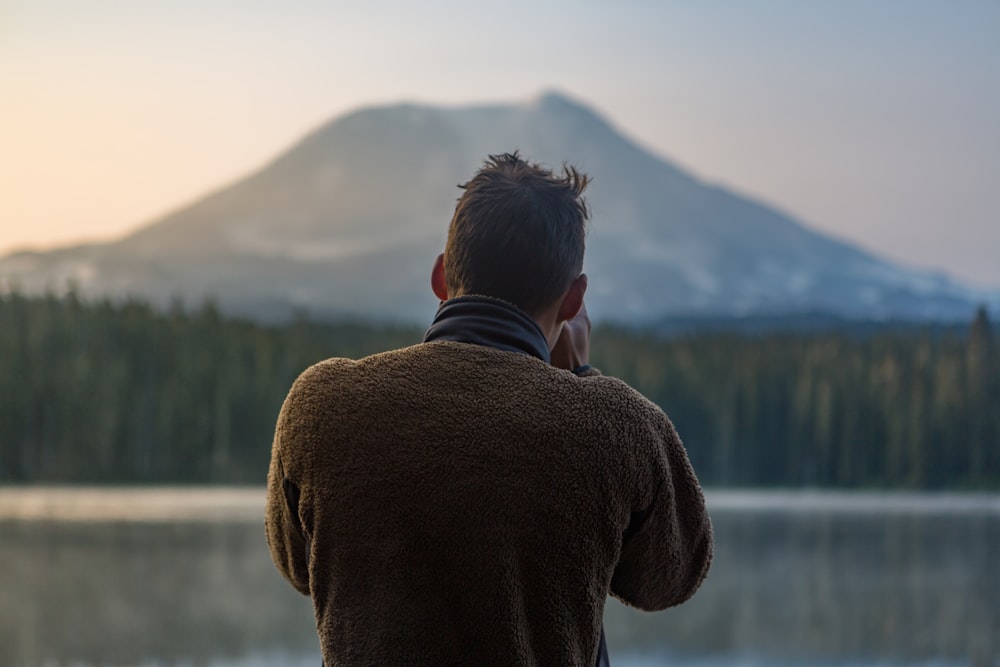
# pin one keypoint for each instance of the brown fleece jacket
(451, 503)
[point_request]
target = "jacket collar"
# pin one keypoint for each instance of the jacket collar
(483, 320)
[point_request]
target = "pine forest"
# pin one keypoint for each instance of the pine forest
(122, 393)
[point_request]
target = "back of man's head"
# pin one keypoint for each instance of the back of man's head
(517, 233)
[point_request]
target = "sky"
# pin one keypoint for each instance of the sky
(875, 121)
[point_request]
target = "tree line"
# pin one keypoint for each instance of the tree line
(103, 392)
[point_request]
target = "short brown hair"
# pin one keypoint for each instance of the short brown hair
(517, 233)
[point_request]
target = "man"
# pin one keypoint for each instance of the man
(473, 499)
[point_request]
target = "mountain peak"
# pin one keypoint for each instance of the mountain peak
(557, 103)
(555, 98)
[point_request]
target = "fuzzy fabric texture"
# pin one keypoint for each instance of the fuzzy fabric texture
(452, 504)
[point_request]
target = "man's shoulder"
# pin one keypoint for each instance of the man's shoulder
(341, 373)
(336, 367)
(333, 389)
(617, 395)
(322, 372)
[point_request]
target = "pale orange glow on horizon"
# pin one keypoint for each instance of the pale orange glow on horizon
(881, 133)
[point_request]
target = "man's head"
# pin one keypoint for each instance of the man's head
(517, 234)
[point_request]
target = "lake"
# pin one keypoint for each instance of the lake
(171, 577)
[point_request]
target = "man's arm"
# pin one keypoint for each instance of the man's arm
(288, 542)
(667, 547)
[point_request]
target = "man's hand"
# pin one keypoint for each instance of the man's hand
(572, 350)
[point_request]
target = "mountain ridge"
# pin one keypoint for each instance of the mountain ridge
(347, 221)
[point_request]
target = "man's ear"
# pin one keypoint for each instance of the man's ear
(573, 300)
(439, 282)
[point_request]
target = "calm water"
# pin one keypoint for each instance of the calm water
(177, 578)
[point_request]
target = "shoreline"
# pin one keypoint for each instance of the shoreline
(132, 504)
(243, 503)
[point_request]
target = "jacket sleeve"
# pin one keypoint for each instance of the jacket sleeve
(288, 542)
(667, 546)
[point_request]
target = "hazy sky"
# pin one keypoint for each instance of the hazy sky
(873, 120)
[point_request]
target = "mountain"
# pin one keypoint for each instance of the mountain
(348, 221)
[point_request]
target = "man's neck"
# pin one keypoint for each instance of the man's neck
(491, 322)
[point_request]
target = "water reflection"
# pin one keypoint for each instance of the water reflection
(813, 586)
(136, 593)
(851, 588)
